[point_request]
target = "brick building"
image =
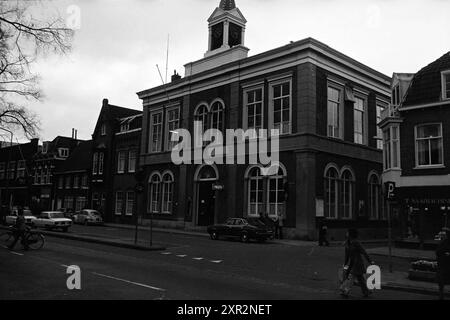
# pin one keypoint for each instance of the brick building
(326, 106)
(417, 157)
(109, 130)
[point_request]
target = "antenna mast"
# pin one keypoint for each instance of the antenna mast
(167, 56)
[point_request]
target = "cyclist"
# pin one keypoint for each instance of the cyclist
(20, 229)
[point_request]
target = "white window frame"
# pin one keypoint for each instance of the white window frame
(379, 105)
(388, 145)
(272, 84)
(170, 186)
(351, 192)
(103, 130)
(246, 91)
(151, 187)
(116, 212)
(445, 74)
(168, 145)
(95, 164)
(161, 137)
(101, 162)
(336, 181)
(132, 162)
(440, 165)
(260, 182)
(365, 124)
(121, 160)
(127, 211)
(340, 88)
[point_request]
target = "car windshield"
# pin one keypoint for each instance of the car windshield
(256, 222)
(56, 215)
(94, 213)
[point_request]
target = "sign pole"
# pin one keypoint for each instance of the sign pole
(389, 234)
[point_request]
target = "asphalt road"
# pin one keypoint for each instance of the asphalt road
(192, 268)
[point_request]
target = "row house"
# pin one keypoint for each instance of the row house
(115, 150)
(71, 181)
(46, 161)
(16, 174)
(325, 105)
(416, 154)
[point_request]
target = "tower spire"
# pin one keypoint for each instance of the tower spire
(227, 5)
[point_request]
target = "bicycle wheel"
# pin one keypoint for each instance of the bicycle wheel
(35, 241)
(6, 238)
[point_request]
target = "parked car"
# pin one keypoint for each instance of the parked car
(53, 220)
(88, 216)
(244, 229)
(11, 218)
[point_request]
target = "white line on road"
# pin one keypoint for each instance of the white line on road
(16, 253)
(198, 259)
(216, 261)
(182, 256)
(130, 282)
(166, 253)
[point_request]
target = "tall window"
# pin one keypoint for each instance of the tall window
(2, 170)
(281, 107)
(253, 109)
(358, 120)
(103, 130)
(346, 192)
(61, 182)
(374, 197)
(429, 145)
(76, 182)
(21, 164)
(121, 158)
(95, 163)
(255, 192)
(331, 193)
(446, 85)
(132, 157)
(167, 193)
(276, 193)
(173, 124)
(154, 193)
(156, 130)
(380, 109)
(333, 114)
(201, 114)
(84, 181)
(391, 147)
(101, 160)
(130, 203)
(396, 95)
(68, 185)
(217, 114)
(119, 203)
(11, 170)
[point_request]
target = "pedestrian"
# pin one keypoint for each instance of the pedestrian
(281, 218)
(20, 229)
(443, 260)
(354, 263)
(323, 235)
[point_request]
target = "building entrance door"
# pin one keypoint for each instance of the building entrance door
(206, 202)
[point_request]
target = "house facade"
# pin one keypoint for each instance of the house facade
(325, 106)
(417, 157)
(16, 174)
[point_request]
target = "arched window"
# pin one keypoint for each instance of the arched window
(154, 203)
(217, 115)
(331, 193)
(255, 192)
(167, 192)
(276, 192)
(346, 192)
(201, 114)
(374, 197)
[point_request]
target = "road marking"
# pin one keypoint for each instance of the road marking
(130, 282)
(216, 261)
(64, 266)
(166, 253)
(198, 259)
(182, 256)
(16, 253)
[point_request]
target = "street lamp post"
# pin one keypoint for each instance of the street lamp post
(139, 188)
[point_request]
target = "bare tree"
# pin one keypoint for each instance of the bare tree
(26, 32)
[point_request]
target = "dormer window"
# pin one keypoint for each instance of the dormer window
(103, 130)
(446, 85)
(63, 152)
(125, 127)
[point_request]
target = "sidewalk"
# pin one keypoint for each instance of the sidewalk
(399, 281)
(410, 254)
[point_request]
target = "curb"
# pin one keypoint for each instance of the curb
(424, 291)
(160, 230)
(102, 241)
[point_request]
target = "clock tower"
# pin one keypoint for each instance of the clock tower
(226, 28)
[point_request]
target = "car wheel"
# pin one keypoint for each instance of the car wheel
(244, 237)
(214, 235)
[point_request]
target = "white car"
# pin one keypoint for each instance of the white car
(52, 220)
(88, 216)
(11, 219)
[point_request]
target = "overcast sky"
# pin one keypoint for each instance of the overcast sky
(119, 43)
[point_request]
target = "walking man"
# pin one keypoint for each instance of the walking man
(443, 259)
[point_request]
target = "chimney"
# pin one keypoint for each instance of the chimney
(105, 102)
(73, 133)
(175, 76)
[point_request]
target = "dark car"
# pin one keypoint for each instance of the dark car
(244, 229)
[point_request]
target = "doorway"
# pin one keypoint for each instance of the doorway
(206, 176)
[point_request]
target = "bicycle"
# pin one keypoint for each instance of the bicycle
(34, 239)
